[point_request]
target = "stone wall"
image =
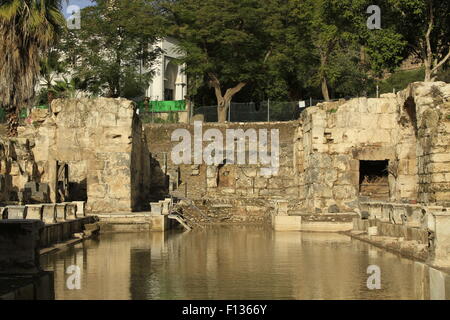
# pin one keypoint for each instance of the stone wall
(428, 108)
(323, 155)
(17, 168)
(409, 129)
(239, 192)
(101, 141)
(117, 165)
(333, 139)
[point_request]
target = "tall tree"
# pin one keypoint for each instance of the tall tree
(224, 42)
(290, 65)
(114, 47)
(336, 26)
(419, 28)
(425, 25)
(28, 28)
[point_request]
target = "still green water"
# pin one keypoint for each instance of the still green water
(237, 262)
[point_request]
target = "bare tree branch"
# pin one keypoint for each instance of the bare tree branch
(232, 91)
(428, 34)
(442, 62)
(215, 83)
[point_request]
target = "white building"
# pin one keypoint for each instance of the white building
(169, 81)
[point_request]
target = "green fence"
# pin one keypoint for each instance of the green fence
(162, 106)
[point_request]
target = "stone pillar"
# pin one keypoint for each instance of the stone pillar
(17, 212)
(80, 208)
(34, 211)
(49, 213)
(61, 212)
(71, 211)
(441, 255)
(156, 208)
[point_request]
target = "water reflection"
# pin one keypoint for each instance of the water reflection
(239, 263)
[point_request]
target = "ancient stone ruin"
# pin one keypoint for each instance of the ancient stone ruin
(101, 144)
(395, 148)
(385, 159)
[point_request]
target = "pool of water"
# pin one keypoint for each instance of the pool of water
(236, 262)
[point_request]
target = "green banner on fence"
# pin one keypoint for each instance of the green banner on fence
(163, 106)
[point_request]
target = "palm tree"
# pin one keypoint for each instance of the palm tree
(28, 28)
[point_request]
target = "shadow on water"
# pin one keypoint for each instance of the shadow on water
(239, 262)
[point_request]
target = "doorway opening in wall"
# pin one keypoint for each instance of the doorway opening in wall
(374, 179)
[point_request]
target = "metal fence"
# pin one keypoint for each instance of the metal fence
(159, 117)
(264, 111)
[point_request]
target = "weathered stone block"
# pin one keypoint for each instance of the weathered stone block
(287, 223)
(442, 239)
(49, 213)
(71, 211)
(61, 212)
(34, 212)
(160, 223)
(17, 212)
(80, 208)
(156, 208)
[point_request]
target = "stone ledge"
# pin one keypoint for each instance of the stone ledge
(286, 223)
(409, 249)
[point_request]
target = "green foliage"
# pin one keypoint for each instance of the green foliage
(65, 88)
(28, 28)
(280, 50)
(410, 22)
(113, 52)
(400, 80)
(224, 38)
(386, 50)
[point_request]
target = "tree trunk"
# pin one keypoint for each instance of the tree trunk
(222, 110)
(325, 92)
(428, 59)
(432, 64)
(323, 76)
(428, 72)
(224, 101)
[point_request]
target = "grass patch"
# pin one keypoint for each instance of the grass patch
(400, 80)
